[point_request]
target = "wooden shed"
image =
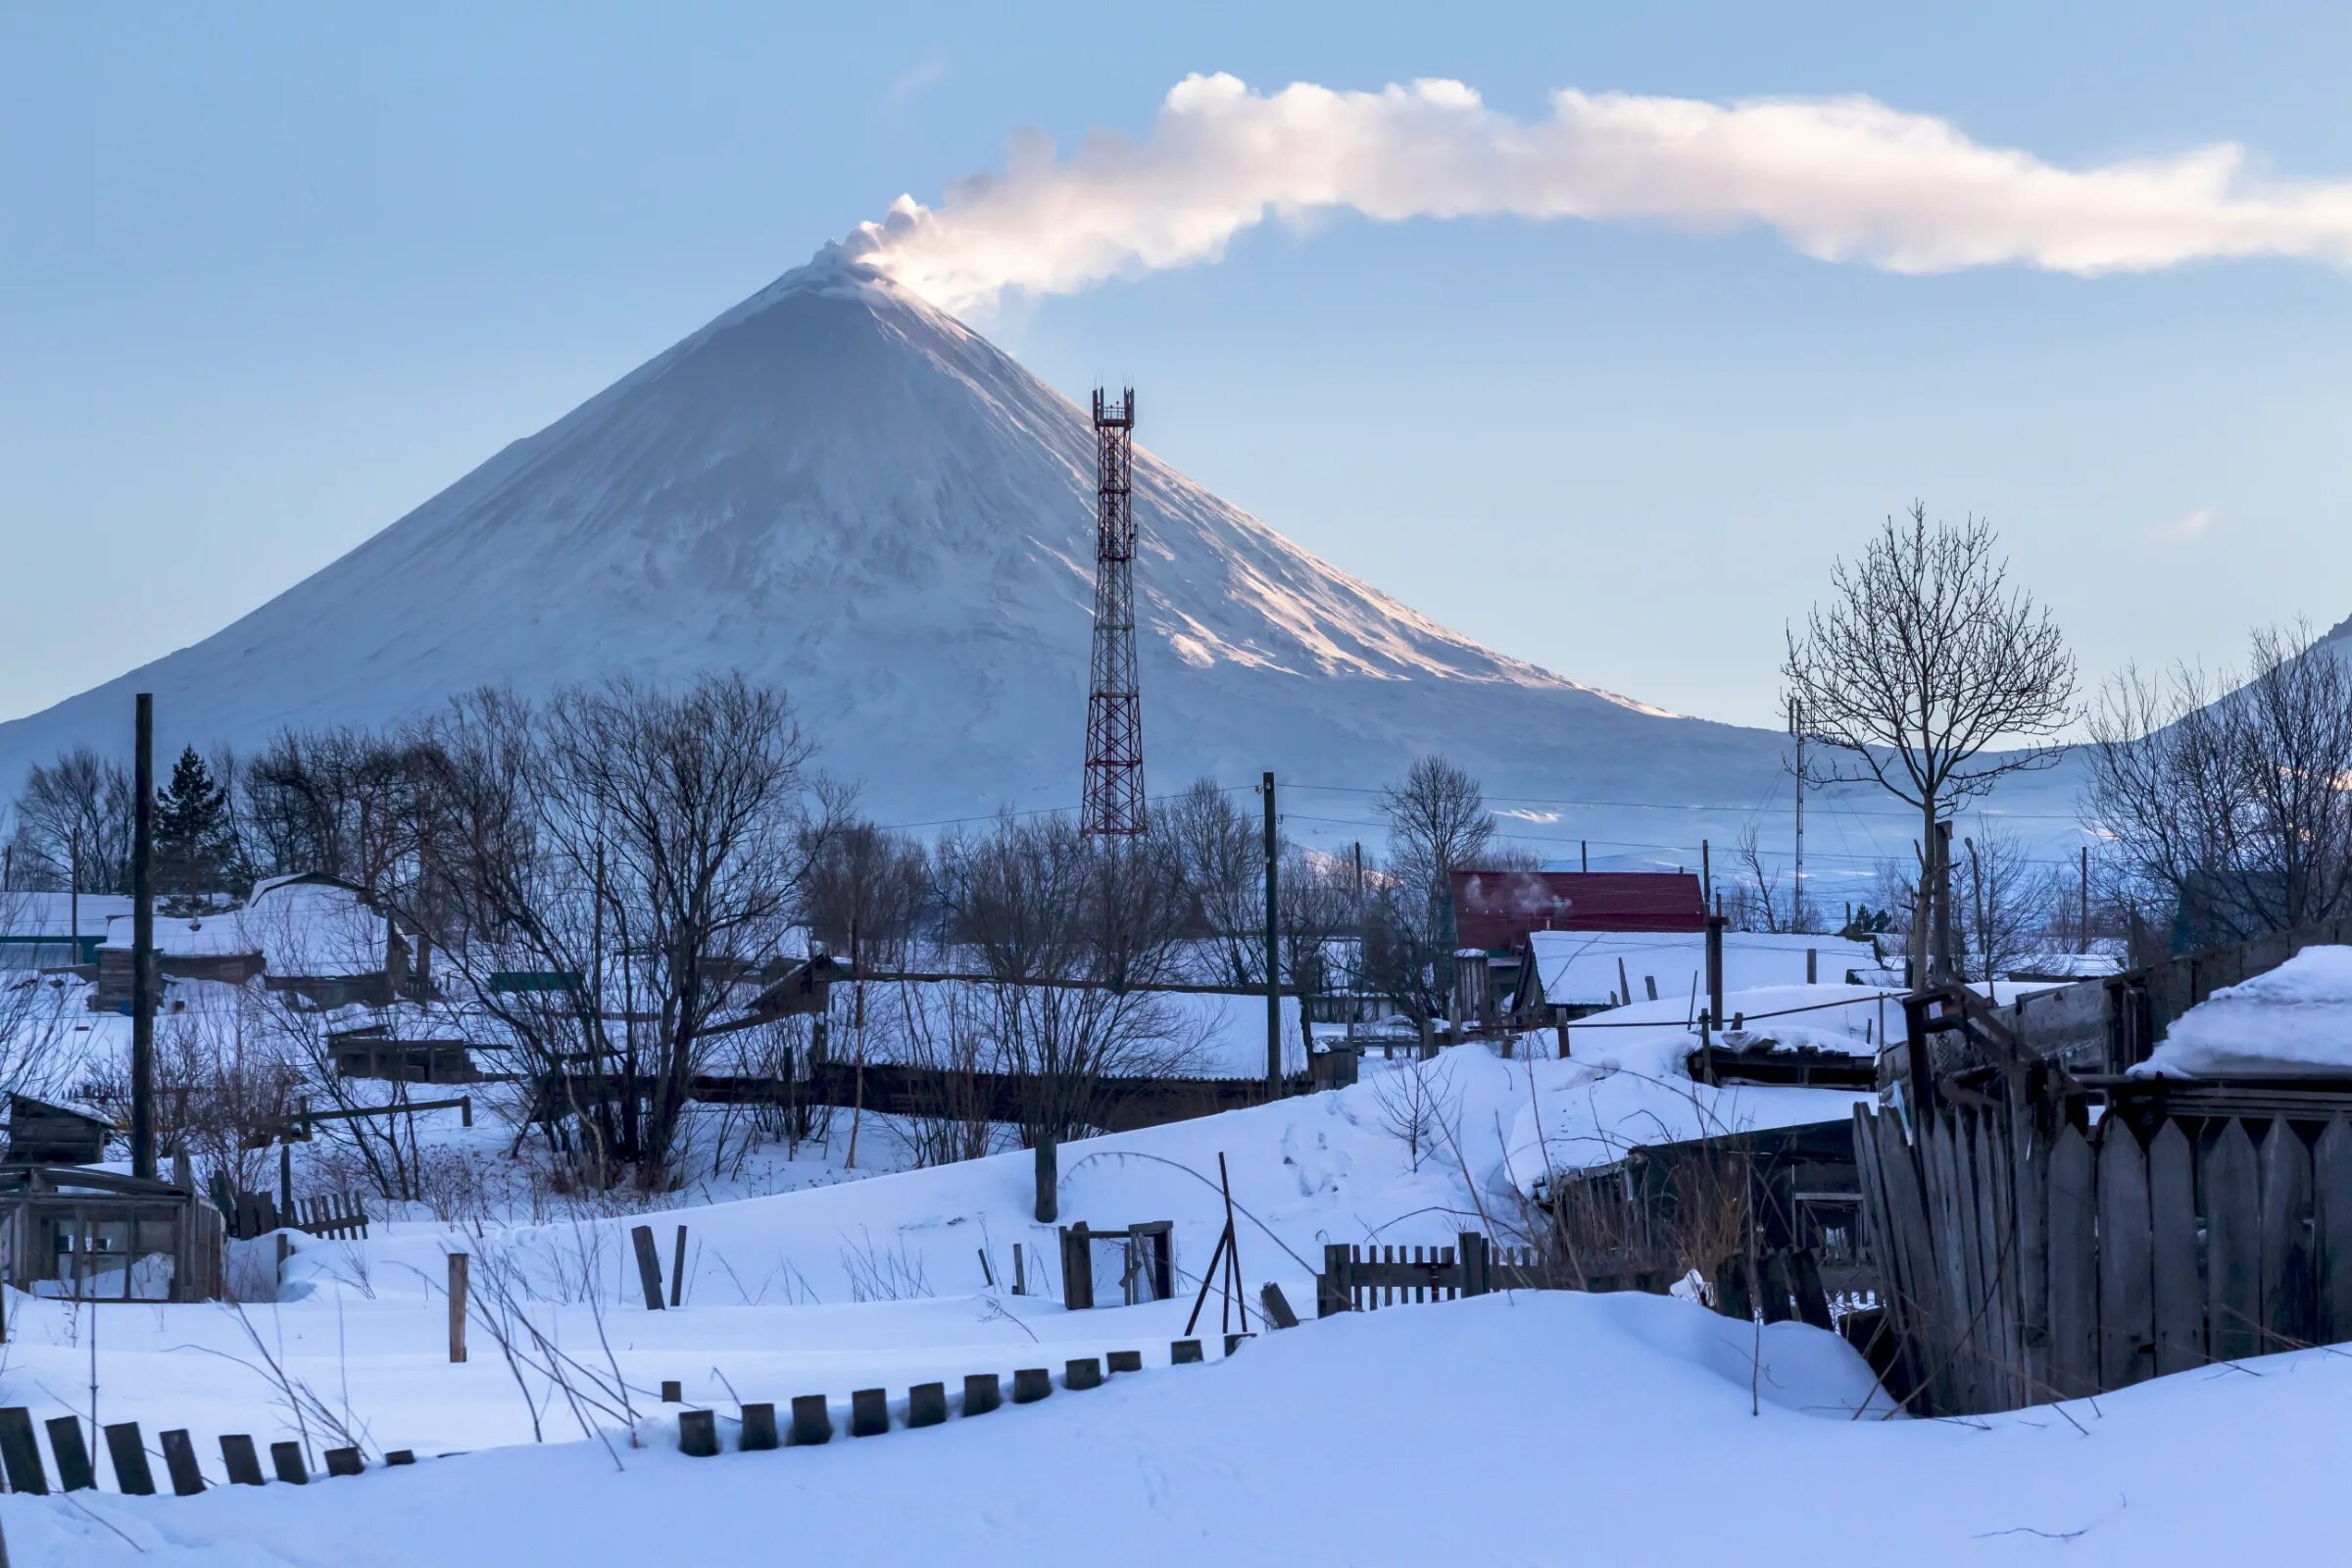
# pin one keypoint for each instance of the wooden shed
(95, 1236)
(41, 1131)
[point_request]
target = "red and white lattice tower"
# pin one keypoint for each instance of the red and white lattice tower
(1115, 712)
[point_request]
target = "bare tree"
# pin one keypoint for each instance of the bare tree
(2225, 801)
(75, 818)
(1074, 935)
(2003, 904)
(1419, 1104)
(1220, 856)
(1926, 658)
(625, 862)
(1758, 901)
(1437, 823)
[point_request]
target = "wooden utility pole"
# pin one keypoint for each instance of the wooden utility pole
(2083, 930)
(1273, 952)
(142, 941)
(1706, 874)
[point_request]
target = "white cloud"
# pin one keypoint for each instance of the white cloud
(2183, 529)
(1841, 180)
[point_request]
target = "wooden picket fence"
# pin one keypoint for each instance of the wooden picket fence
(1364, 1279)
(807, 1421)
(2025, 1256)
(134, 1475)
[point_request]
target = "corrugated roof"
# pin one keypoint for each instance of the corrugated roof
(1497, 910)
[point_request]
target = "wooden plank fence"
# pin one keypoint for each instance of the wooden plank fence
(342, 1217)
(127, 1455)
(2025, 1256)
(1364, 1278)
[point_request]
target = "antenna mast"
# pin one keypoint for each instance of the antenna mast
(1796, 897)
(1113, 802)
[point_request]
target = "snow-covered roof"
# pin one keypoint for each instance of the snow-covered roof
(1194, 1034)
(34, 916)
(303, 927)
(2294, 1020)
(1580, 968)
(207, 936)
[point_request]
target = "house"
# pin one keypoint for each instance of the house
(1571, 973)
(55, 930)
(313, 934)
(1495, 912)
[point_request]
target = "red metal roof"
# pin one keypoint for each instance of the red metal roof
(1496, 909)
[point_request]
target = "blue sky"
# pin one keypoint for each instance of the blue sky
(269, 275)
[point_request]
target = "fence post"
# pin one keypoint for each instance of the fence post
(982, 1392)
(133, 1477)
(1333, 1295)
(179, 1458)
(1031, 1384)
(286, 1458)
(1472, 1250)
(698, 1433)
(1082, 1372)
(677, 1271)
(21, 1452)
(460, 1267)
(1277, 1308)
(926, 1405)
(1184, 1353)
(1125, 1361)
(869, 1412)
(811, 1422)
(75, 1472)
(759, 1427)
(238, 1457)
(1049, 1182)
(344, 1462)
(648, 1266)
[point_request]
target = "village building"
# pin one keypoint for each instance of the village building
(310, 933)
(1496, 912)
(55, 930)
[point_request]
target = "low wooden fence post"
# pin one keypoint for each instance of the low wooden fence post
(179, 1458)
(677, 1271)
(460, 1267)
(240, 1459)
(75, 1472)
(124, 1447)
(983, 1392)
(291, 1467)
(758, 1428)
(648, 1266)
(811, 1421)
(21, 1452)
(927, 1404)
(869, 1413)
(698, 1433)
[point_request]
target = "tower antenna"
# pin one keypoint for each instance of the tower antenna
(1113, 802)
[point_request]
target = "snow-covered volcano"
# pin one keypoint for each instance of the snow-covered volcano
(836, 487)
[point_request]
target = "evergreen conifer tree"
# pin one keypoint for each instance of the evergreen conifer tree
(192, 848)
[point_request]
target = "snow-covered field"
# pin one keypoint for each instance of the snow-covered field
(1536, 1426)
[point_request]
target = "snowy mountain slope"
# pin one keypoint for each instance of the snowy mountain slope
(838, 488)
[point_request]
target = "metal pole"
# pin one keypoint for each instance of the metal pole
(1796, 897)
(1273, 954)
(142, 942)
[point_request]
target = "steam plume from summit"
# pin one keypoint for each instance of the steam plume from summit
(1840, 179)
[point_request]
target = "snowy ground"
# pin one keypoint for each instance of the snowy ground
(1525, 1429)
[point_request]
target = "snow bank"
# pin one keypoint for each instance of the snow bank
(1535, 1428)
(2296, 1018)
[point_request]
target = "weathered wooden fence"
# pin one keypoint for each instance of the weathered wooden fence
(1361, 1279)
(2025, 1255)
(134, 1476)
(340, 1218)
